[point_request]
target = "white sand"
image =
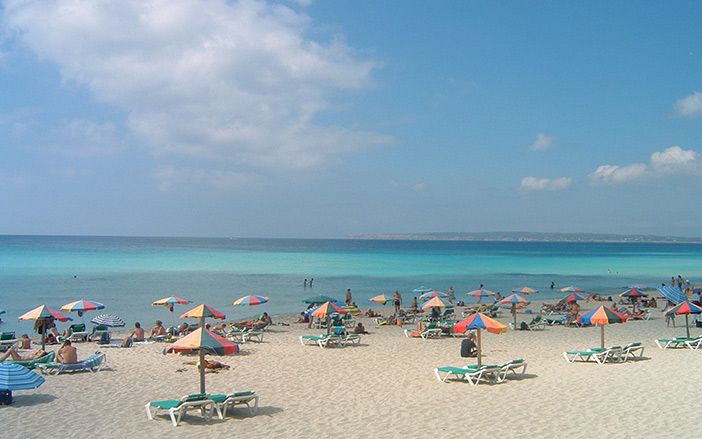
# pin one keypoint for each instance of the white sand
(384, 388)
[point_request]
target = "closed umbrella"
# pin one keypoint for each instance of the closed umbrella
(43, 314)
(480, 321)
(602, 316)
(16, 377)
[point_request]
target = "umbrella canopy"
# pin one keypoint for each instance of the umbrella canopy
(327, 309)
(109, 320)
(319, 299)
(353, 310)
(203, 311)
(43, 312)
(82, 305)
(524, 290)
(250, 300)
(16, 377)
(434, 302)
(204, 340)
(513, 301)
(685, 308)
(601, 316)
(380, 298)
(480, 293)
(431, 294)
(571, 289)
(172, 300)
(480, 321)
(633, 292)
(574, 297)
(421, 290)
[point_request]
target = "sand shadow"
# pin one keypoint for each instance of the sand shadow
(520, 377)
(31, 400)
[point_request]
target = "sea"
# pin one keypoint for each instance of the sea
(128, 273)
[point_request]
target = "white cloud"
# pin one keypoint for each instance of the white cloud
(233, 81)
(545, 184)
(689, 106)
(674, 159)
(613, 174)
(171, 176)
(419, 186)
(543, 142)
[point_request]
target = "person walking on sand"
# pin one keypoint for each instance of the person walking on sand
(348, 297)
(397, 300)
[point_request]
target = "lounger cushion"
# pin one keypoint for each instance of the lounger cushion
(166, 404)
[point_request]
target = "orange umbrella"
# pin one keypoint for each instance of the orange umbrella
(435, 302)
(203, 311)
(327, 309)
(480, 321)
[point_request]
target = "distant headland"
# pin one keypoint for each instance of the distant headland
(528, 236)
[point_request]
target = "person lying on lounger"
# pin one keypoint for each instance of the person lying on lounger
(16, 356)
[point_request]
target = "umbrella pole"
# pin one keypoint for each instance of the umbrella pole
(202, 359)
(687, 326)
(43, 335)
(602, 336)
(514, 314)
(480, 351)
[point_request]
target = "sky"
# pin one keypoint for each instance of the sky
(325, 119)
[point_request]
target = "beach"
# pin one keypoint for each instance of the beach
(383, 388)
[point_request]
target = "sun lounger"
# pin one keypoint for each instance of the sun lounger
(512, 366)
(7, 339)
(551, 321)
(427, 333)
(599, 355)
(536, 323)
(31, 364)
(324, 340)
(224, 402)
(98, 330)
(76, 333)
(681, 342)
(93, 363)
(630, 351)
(177, 408)
(471, 373)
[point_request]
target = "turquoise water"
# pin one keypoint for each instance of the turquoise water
(127, 274)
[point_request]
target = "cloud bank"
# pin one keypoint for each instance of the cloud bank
(545, 184)
(672, 160)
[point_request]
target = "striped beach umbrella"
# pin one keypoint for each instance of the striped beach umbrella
(480, 293)
(108, 320)
(353, 310)
(633, 292)
(326, 310)
(685, 308)
(431, 294)
(202, 312)
(204, 341)
(81, 306)
(251, 300)
(574, 297)
(524, 290)
(602, 316)
(380, 298)
(169, 302)
(434, 302)
(421, 290)
(44, 314)
(480, 321)
(16, 377)
(571, 289)
(513, 301)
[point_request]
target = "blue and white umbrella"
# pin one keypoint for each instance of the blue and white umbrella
(108, 320)
(16, 377)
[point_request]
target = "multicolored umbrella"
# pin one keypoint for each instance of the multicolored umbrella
(571, 289)
(353, 310)
(685, 308)
(81, 306)
(524, 290)
(480, 293)
(480, 321)
(319, 299)
(434, 302)
(250, 300)
(513, 301)
(169, 302)
(574, 297)
(203, 341)
(327, 309)
(108, 320)
(633, 292)
(16, 377)
(202, 312)
(431, 294)
(601, 316)
(380, 298)
(44, 314)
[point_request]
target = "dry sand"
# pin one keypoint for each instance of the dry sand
(384, 388)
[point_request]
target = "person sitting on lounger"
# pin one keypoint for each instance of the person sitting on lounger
(67, 354)
(16, 356)
(263, 321)
(52, 334)
(158, 330)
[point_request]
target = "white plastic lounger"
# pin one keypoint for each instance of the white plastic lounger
(223, 403)
(93, 363)
(599, 355)
(513, 366)
(472, 374)
(680, 342)
(630, 351)
(177, 408)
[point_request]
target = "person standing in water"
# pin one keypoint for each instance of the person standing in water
(304, 285)
(348, 297)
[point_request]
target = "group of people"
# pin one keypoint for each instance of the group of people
(67, 354)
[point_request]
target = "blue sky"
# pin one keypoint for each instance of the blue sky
(331, 118)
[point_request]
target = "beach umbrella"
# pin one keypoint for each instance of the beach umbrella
(574, 297)
(81, 306)
(380, 298)
(434, 302)
(353, 310)
(513, 301)
(319, 299)
(480, 321)
(431, 294)
(251, 300)
(524, 290)
(169, 302)
(601, 316)
(202, 312)
(633, 292)
(44, 314)
(571, 289)
(326, 310)
(108, 320)
(16, 377)
(204, 340)
(685, 308)
(421, 290)
(480, 293)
